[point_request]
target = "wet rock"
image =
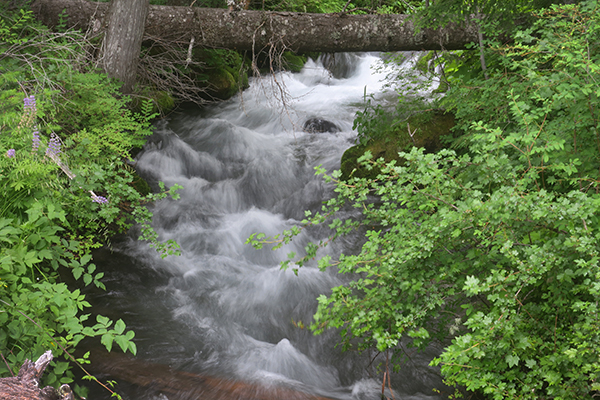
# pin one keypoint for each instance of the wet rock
(427, 128)
(318, 125)
(340, 65)
(293, 62)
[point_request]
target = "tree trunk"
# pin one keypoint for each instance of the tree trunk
(256, 30)
(123, 41)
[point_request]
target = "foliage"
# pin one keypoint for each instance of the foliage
(495, 246)
(313, 6)
(332, 6)
(498, 13)
(411, 78)
(65, 153)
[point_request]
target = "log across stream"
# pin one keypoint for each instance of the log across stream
(224, 314)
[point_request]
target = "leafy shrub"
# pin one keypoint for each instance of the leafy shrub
(65, 149)
(496, 248)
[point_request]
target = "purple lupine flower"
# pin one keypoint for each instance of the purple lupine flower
(29, 111)
(29, 103)
(10, 153)
(99, 199)
(35, 141)
(53, 145)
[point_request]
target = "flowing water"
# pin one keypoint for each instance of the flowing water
(223, 309)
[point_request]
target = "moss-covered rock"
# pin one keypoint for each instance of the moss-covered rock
(141, 185)
(222, 84)
(223, 74)
(293, 62)
(424, 64)
(162, 101)
(289, 61)
(428, 130)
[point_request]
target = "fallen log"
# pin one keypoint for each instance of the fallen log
(257, 30)
(25, 386)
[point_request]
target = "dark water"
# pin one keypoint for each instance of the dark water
(223, 309)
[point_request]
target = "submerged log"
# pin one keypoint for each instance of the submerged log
(180, 385)
(25, 386)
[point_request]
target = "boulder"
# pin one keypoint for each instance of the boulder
(319, 125)
(340, 65)
(427, 130)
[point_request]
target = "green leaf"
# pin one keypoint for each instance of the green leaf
(107, 340)
(77, 272)
(119, 327)
(512, 360)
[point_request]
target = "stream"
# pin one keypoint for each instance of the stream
(223, 309)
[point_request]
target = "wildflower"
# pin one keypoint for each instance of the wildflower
(29, 103)
(35, 141)
(10, 153)
(28, 117)
(99, 199)
(53, 146)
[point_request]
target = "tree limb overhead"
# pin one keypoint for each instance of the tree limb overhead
(255, 30)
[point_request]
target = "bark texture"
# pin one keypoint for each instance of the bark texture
(123, 40)
(256, 30)
(25, 386)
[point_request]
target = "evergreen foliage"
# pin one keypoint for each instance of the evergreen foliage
(67, 186)
(493, 245)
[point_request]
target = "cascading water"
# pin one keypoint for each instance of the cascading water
(222, 308)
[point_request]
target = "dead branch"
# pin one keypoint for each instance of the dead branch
(25, 386)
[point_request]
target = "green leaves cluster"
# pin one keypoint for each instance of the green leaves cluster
(58, 205)
(493, 245)
(333, 6)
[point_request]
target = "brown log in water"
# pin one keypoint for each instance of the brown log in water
(180, 385)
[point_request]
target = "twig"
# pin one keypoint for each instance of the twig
(7, 365)
(481, 51)
(346, 6)
(188, 60)
(412, 135)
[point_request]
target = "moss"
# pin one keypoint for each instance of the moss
(423, 64)
(224, 73)
(442, 88)
(429, 129)
(140, 185)
(222, 83)
(293, 62)
(243, 80)
(312, 54)
(349, 163)
(289, 61)
(162, 101)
